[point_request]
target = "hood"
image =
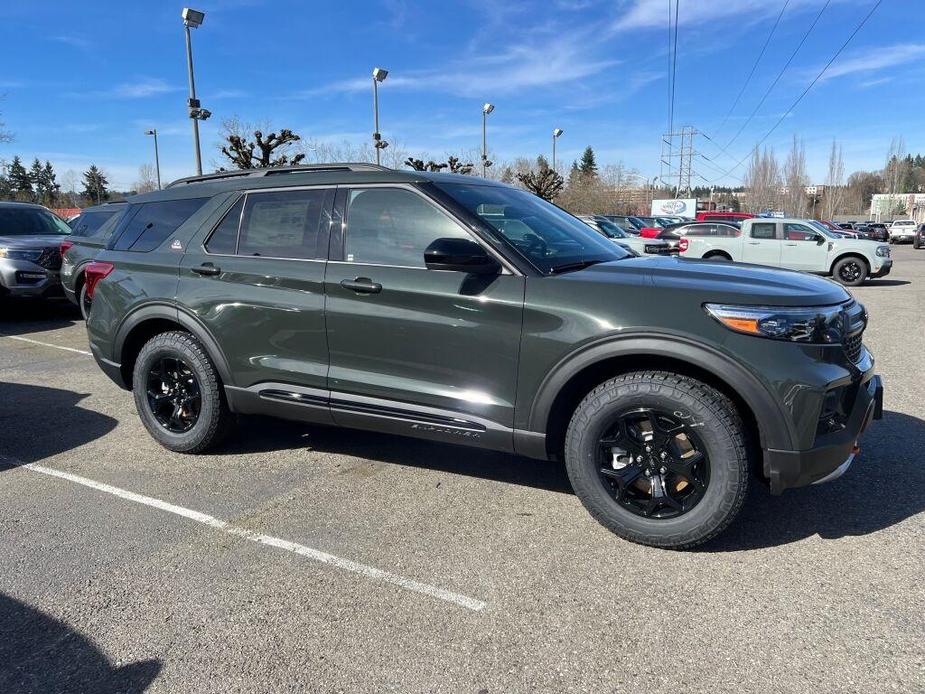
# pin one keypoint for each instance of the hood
(33, 241)
(731, 283)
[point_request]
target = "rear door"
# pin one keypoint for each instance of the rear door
(427, 352)
(255, 281)
(801, 249)
(762, 246)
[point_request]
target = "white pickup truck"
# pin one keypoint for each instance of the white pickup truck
(797, 244)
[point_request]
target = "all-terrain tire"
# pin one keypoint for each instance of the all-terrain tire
(718, 426)
(215, 419)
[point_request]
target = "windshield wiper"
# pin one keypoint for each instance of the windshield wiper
(569, 267)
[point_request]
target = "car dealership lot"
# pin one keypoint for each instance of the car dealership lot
(423, 567)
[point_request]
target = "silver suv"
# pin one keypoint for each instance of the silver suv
(30, 250)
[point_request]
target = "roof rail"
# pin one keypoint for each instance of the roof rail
(278, 170)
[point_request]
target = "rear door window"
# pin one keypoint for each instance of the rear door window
(149, 224)
(764, 230)
(90, 222)
(285, 224)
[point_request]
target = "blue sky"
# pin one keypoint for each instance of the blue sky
(83, 80)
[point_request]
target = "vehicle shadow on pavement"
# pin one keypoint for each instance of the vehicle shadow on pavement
(885, 283)
(884, 486)
(41, 654)
(19, 316)
(259, 434)
(37, 422)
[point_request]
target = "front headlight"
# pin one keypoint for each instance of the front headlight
(821, 325)
(883, 251)
(20, 254)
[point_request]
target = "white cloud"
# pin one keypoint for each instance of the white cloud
(143, 88)
(649, 14)
(874, 59)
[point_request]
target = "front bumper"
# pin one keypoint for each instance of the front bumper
(884, 269)
(21, 278)
(833, 453)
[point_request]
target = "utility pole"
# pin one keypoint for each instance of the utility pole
(191, 20)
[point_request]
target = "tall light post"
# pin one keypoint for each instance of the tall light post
(486, 109)
(379, 75)
(192, 19)
(157, 158)
(556, 133)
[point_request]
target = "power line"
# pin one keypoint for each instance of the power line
(779, 75)
(805, 91)
(751, 73)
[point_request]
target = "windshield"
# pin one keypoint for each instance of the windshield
(550, 238)
(611, 230)
(30, 221)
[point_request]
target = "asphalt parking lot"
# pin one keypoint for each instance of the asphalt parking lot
(304, 558)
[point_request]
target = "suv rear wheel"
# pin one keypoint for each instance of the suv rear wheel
(658, 458)
(84, 302)
(179, 395)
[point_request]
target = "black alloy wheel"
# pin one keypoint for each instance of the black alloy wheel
(173, 394)
(653, 464)
(851, 271)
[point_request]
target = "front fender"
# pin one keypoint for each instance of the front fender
(774, 426)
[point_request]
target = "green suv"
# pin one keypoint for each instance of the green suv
(456, 309)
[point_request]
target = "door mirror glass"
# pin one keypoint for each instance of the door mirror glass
(460, 255)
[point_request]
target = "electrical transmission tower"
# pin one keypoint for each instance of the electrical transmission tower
(677, 160)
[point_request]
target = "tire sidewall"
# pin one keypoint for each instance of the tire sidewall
(83, 302)
(727, 473)
(169, 345)
(854, 283)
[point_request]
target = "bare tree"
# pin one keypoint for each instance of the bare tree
(5, 135)
(795, 179)
(543, 182)
(147, 179)
(834, 181)
(762, 179)
(894, 172)
(263, 152)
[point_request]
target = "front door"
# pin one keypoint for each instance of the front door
(804, 248)
(425, 352)
(256, 282)
(762, 245)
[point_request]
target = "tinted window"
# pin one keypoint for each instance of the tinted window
(799, 232)
(89, 222)
(149, 224)
(389, 226)
(763, 230)
(29, 221)
(284, 224)
(550, 238)
(224, 239)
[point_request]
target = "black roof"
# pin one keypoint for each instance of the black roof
(208, 185)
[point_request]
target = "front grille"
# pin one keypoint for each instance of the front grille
(50, 259)
(852, 346)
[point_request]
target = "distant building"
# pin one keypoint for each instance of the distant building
(889, 206)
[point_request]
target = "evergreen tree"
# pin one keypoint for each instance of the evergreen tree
(95, 185)
(574, 174)
(20, 183)
(50, 186)
(38, 184)
(542, 162)
(6, 190)
(588, 166)
(507, 175)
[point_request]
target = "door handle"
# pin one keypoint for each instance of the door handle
(362, 285)
(207, 269)
(754, 243)
(790, 244)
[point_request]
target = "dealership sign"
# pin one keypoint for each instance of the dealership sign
(683, 207)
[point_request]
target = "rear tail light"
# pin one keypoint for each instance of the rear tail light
(94, 273)
(683, 245)
(66, 246)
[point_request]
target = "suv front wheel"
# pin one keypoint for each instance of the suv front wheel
(179, 395)
(658, 458)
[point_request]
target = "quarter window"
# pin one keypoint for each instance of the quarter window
(284, 224)
(224, 240)
(391, 226)
(764, 230)
(149, 225)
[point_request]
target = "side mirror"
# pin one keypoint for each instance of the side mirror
(820, 239)
(460, 255)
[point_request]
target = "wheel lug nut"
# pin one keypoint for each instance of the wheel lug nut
(663, 455)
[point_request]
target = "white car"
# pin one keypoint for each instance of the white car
(796, 244)
(615, 233)
(902, 231)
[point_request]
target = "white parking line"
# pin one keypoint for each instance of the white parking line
(47, 344)
(317, 555)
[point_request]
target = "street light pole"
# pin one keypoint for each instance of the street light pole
(486, 109)
(379, 144)
(191, 20)
(157, 158)
(555, 136)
